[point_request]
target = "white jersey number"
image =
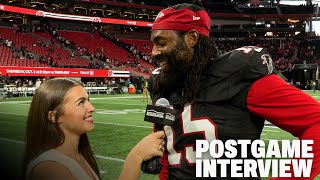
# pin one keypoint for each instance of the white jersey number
(189, 126)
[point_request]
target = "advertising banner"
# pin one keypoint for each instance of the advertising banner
(61, 72)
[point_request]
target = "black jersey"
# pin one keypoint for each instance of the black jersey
(219, 111)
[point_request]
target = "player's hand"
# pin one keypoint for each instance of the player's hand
(150, 146)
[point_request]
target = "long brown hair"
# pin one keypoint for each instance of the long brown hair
(41, 133)
(204, 53)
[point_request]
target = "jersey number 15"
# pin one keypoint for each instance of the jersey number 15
(190, 126)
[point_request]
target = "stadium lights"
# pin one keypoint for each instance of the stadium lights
(293, 20)
(269, 34)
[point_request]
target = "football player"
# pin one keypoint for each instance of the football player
(220, 97)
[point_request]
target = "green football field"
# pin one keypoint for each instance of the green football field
(119, 126)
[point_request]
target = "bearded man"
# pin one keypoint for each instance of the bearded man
(221, 97)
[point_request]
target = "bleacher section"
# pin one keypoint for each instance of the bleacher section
(145, 47)
(46, 36)
(32, 44)
(118, 57)
(40, 44)
(94, 42)
(7, 59)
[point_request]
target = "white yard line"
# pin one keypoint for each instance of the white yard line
(274, 127)
(267, 130)
(14, 102)
(128, 125)
(13, 114)
(109, 158)
(97, 122)
(11, 140)
(125, 97)
(109, 102)
(100, 98)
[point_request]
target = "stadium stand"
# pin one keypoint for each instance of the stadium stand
(22, 42)
(74, 44)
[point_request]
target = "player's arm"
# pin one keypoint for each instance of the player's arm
(288, 108)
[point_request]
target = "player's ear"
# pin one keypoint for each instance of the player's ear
(192, 37)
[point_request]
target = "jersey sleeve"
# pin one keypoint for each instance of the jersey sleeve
(288, 108)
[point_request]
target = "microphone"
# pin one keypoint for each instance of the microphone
(160, 114)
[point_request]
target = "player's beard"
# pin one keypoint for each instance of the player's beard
(178, 64)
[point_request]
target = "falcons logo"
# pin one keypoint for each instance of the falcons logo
(268, 61)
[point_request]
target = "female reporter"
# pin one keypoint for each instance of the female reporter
(57, 146)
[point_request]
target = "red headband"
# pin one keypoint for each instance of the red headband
(183, 20)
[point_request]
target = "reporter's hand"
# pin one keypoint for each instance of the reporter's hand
(150, 146)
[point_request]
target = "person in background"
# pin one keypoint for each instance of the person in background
(221, 97)
(145, 91)
(38, 83)
(57, 145)
(313, 85)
